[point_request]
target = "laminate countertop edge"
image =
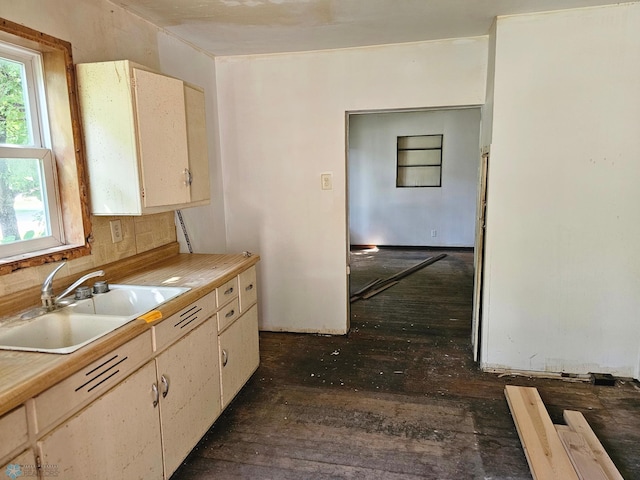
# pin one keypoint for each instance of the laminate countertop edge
(24, 375)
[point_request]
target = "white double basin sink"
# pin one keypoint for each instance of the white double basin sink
(69, 328)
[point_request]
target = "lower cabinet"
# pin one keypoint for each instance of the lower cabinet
(116, 436)
(160, 401)
(14, 433)
(189, 391)
(146, 425)
(239, 353)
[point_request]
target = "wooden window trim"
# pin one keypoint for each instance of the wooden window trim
(67, 147)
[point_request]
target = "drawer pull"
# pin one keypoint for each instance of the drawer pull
(165, 386)
(156, 395)
(229, 291)
(249, 288)
(230, 314)
(225, 358)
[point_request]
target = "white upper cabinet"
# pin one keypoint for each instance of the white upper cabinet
(145, 139)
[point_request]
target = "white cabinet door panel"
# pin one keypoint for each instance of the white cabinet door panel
(115, 437)
(188, 379)
(239, 354)
(162, 138)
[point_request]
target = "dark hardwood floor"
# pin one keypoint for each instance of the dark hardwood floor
(399, 397)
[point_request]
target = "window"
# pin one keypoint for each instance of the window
(29, 202)
(419, 161)
(44, 214)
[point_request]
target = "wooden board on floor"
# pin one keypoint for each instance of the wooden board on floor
(580, 454)
(380, 285)
(358, 294)
(542, 446)
(577, 423)
(378, 290)
(408, 271)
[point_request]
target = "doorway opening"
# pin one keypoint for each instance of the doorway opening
(410, 197)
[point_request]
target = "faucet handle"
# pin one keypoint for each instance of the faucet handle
(47, 285)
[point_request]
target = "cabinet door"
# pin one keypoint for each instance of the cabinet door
(197, 142)
(188, 378)
(162, 138)
(239, 354)
(108, 123)
(13, 431)
(115, 437)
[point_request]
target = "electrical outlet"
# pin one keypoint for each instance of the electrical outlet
(327, 181)
(434, 233)
(116, 231)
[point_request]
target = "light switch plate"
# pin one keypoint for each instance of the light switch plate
(327, 181)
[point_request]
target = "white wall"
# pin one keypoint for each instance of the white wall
(563, 218)
(486, 128)
(98, 30)
(282, 124)
(205, 225)
(382, 214)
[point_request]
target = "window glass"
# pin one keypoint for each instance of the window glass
(14, 126)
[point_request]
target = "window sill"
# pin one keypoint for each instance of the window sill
(40, 257)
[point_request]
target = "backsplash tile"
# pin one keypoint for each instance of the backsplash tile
(139, 234)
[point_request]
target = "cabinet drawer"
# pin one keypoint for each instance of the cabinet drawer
(227, 292)
(228, 314)
(91, 381)
(13, 430)
(179, 324)
(248, 290)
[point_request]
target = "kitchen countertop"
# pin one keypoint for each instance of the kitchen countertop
(26, 374)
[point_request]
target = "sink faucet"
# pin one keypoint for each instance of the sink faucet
(46, 294)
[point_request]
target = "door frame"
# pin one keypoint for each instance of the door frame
(476, 330)
(478, 258)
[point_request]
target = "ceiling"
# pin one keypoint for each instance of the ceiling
(241, 27)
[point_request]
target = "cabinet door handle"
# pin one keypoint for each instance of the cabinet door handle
(156, 395)
(249, 287)
(165, 386)
(188, 177)
(229, 291)
(225, 357)
(230, 314)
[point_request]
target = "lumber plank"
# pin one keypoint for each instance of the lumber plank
(543, 449)
(581, 456)
(382, 284)
(357, 295)
(579, 424)
(379, 289)
(408, 271)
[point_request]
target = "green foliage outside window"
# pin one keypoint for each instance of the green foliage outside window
(18, 177)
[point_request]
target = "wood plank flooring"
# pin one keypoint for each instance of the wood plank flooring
(399, 397)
